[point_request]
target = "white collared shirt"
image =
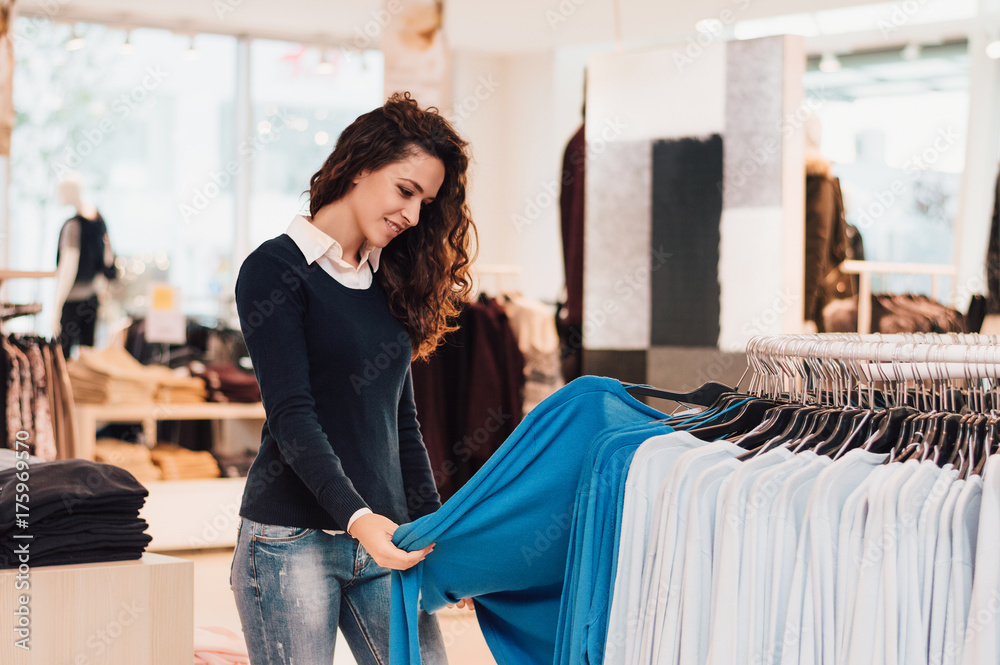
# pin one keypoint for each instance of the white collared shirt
(317, 247)
(328, 254)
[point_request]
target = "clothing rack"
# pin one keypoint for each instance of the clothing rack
(878, 358)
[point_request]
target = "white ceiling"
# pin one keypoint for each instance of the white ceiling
(504, 26)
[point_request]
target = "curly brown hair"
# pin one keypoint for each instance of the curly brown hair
(425, 271)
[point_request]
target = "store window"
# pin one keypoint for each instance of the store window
(143, 125)
(894, 125)
(302, 98)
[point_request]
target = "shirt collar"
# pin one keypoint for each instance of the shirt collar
(313, 244)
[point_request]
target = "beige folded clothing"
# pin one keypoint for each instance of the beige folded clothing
(133, 457)
(112, 376)
(179, 463)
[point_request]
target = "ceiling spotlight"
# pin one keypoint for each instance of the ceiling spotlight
(127, 46)
(76, 42)
(325, 67)
(910, 52)
(993, 49)
(192, 53)
(829, 63)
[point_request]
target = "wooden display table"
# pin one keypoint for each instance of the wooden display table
(88, 415)
(118, 613)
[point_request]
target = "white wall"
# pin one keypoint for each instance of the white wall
(518, 112)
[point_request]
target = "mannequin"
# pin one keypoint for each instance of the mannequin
(84, 264)
(826, 230)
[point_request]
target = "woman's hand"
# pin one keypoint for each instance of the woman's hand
(374, 532)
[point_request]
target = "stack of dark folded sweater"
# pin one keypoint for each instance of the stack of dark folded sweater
(226, 382)
(77, 512)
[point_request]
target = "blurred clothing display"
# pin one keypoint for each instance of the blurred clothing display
(534, 326)
(571, 213)
(993, 255)
(37, 398)
(179, 463)
(469, 393)
(896, 313)
(113, 376)
(133, 457)
(827, 244)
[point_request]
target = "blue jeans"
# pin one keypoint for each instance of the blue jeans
(294, 586)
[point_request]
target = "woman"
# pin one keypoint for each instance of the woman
(332, 312)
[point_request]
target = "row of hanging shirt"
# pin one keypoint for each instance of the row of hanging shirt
(845, 510)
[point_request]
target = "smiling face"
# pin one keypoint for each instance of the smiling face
(386, 202)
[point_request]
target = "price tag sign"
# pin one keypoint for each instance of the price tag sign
(165, 321)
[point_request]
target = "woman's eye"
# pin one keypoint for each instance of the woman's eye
(405, 191)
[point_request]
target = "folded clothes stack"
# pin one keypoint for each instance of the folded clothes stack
(236, 466)
(112, 376)
(227, 383)
(79, 512)
(179, 463)
(133, 457)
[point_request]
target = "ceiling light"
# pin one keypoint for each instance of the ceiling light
(910, 52)
(127, 46)
(192, 53)
(325, 67)
(76, 42)
(829, 63)
(993, 49)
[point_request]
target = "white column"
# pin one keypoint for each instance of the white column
(972, 224)
(242, 129)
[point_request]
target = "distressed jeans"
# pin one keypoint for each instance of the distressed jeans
(295, 586)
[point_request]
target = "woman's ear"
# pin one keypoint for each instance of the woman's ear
(361, 176)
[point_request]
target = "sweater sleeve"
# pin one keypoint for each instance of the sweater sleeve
(422, 497)
(272, 305)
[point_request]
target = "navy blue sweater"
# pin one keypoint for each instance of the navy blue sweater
(334, 370)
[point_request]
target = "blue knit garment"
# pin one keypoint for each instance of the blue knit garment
(503, 538)
(590, 571)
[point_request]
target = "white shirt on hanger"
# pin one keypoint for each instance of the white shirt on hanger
(650, 464)
(964, 535)
(850, 554)
(666, 568)
(814, 577)
(919, 628)
(982, 637)
(941, 591)
(728, 632)
(789, 510)
(867, 639)
(760, 536)
(902, 588)
(699, 555)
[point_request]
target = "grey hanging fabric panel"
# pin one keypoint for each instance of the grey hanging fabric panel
(687, 210)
